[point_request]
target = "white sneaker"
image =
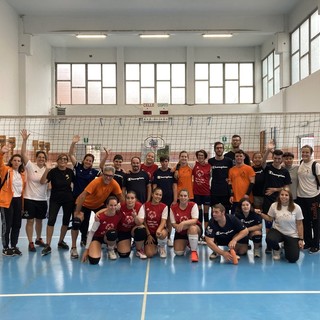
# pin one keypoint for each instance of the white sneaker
(276, 254)
(170, 243)
(112, 255)
(162, 252)
(256, 253)
(213, 255)
(74, 253)
(140, 254)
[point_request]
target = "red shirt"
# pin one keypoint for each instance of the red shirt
(177, 215)
(107, 223)
(201, 179)
(154, 214)
(127, 220)
(149, 169)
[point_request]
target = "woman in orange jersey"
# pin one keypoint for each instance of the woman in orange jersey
(12, 186)
(183, 174)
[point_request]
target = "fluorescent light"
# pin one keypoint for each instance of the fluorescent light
(91, 36)
(217, 35)
(154, 36)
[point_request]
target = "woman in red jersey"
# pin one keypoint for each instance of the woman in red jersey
(184, 218)
(155, 222)
(103, 230)
(131, 226)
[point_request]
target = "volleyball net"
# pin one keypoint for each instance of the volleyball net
(135, 136)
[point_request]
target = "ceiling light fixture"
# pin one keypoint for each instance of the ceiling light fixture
(155, 36)
(91, 36)
(217, 35)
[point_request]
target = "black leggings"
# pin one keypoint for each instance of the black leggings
(291, 245)
(11, 223)
(54, 207)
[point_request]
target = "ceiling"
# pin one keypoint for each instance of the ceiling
(250, 21)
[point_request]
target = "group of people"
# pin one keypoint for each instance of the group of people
(140, 208)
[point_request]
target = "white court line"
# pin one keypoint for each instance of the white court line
(145, 294)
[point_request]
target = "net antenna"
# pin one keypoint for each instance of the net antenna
(154, 143)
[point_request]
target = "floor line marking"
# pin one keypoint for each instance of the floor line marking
(145, 294)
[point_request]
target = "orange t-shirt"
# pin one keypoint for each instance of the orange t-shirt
(240, 181)
(185, 180)
(99, 192)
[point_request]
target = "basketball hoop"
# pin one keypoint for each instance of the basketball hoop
(154, 143)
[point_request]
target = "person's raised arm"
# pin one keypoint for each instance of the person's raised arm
(72, 148)
(104, 158)
(269, 148)
(24, 134)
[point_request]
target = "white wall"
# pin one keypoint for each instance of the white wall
(9, 63)
(38, 82)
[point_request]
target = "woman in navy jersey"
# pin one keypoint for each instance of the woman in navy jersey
(103, 230)
(184, 218)
(84, 174)
(155, 222)
(253, 222)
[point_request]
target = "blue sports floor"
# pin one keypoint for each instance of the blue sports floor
(56, 287)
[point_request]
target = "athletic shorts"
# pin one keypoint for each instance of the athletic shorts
(99, 239)
(124, 235)
(199, 200)
(36, 209)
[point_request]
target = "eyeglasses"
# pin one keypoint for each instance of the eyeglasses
(108, 175)
(63, 159)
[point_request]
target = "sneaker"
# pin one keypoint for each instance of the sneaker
(268, 250)
(313, 250)
(235, 257)
(306, 246)
(74, 253)
(46, 250)
(16, 251)
(194, 256)
(112, 255)
(7, 252)
(162, 252)
(39, 242)
(256, 253)
(276, 254)
(83, 243)
(202, 240)
(249, 247)
(140, 254)
(63, 245)
(213, 255)
(170, 243)
(31, 247)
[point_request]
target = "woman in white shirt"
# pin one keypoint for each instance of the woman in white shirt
(308, 198)
(287, 227)
(35, 195)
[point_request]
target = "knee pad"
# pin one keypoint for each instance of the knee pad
(124, 255)
(140, 234)
(93, 260)
(179, 253)
(111, 235)
(76, 223)
(256, 238)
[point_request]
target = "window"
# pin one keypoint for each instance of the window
(219, 83)
(84, 83)
(305, 48)
(151, 82)
(270, 75)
